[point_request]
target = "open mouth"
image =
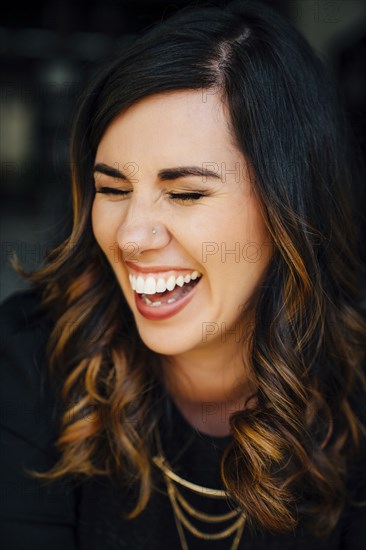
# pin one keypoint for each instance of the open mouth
(169, 296)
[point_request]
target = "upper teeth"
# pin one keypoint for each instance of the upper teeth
(151, 285)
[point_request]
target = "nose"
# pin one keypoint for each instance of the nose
(141, 230)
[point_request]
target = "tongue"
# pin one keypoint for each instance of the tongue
(177, 292)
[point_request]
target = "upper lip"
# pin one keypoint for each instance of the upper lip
(157, 269)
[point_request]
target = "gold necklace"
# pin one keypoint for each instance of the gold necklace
(176, 499)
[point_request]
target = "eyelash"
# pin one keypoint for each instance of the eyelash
(177, 196)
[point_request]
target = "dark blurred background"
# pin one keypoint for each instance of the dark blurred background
(49, 50)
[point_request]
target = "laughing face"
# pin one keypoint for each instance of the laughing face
(176, 216)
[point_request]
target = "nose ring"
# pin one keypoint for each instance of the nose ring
(153, 230)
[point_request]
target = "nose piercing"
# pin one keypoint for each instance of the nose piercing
(153, 230)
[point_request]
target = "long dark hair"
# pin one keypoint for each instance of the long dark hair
(289, 456)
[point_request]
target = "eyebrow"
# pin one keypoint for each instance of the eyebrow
(167, 174)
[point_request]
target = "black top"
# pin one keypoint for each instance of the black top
(88, 515)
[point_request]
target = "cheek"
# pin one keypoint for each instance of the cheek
(103, 228)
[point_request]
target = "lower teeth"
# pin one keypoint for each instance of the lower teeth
(156, 304)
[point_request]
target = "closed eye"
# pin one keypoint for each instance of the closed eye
(187, 196)
(174, 196)
(111, 191)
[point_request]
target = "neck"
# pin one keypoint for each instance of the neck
(208, 388)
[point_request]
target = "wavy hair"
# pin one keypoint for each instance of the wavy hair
(290, 456)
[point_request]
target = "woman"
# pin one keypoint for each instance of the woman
(203, 323)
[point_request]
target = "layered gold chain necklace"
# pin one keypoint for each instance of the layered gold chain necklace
(181, 507)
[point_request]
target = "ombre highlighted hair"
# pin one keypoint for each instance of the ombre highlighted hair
(290, 459)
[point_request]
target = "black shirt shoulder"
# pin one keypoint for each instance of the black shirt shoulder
(25, 388)
(33, 514)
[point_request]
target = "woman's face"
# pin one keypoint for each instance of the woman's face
(221, 235)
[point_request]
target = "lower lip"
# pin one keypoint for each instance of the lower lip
(165, 310)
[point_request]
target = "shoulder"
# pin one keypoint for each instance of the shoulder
(22, 321)
(20, 311)
(32, 514)
(27, 403)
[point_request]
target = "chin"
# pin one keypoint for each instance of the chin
(163, 346)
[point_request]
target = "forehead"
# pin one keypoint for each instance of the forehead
(194, 122)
